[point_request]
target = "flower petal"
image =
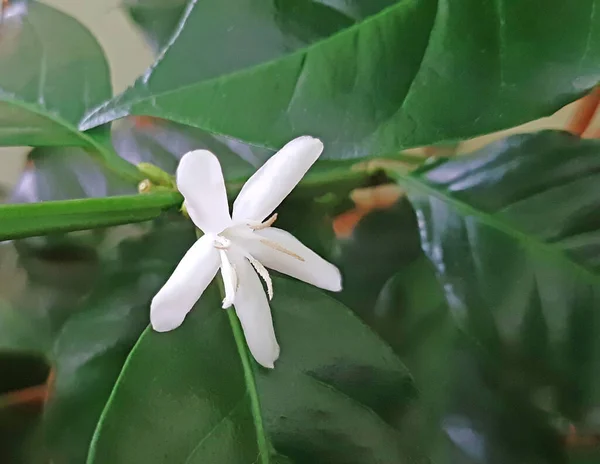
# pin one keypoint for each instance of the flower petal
(252, 309)
(185, 286)
(281, 251)
(268, 187)
(200, 180)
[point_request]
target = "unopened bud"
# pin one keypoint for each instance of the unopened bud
(156, 175)
(144, 186)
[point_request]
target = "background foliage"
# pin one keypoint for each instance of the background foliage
(468, 327)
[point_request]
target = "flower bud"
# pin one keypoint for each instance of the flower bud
(156, 175)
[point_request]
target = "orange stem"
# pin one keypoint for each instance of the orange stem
(36, 394)
(584, 114)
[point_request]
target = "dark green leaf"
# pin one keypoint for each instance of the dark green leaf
(381, 243)
(513, 233)
(196, 402)
(470, 407)
(336, 389)
(88, 305)
(408, 75)
(17, 424)
(49, 80)
(325, 401)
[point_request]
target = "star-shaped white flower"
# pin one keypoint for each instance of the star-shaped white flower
(242, 245)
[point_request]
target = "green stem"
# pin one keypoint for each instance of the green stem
(32, 219)
(247, 366)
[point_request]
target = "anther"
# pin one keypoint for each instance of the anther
(221, 243)
(278, 247)
(268, 223)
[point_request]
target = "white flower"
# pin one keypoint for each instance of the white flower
(242, 245)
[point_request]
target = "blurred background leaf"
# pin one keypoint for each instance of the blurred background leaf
(49, 81)
(89, 301)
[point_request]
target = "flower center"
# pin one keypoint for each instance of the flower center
(230, 253)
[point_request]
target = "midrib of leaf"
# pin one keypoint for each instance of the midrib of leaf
(496, 222)
(264, 449)
(240, 342)
(111, 160)
(303, 51)
(217, 425)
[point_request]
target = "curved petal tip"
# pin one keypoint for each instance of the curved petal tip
(164, 320)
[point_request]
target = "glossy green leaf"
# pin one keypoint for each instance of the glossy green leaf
(325, 401)
(26, 220)
(337, 388)
(158, 19)
(471, 407)
(513, 233)
(87, 305)
(405, 76)
(49, 81)
(196, 402)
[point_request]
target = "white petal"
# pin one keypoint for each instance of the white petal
(275, 248)
(268, 187)
(185, 286)
(252, 309)
(200, 181)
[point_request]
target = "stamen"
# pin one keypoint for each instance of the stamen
(221, 243)
(268, 223)
(278, 247)
(262, 271)
(230, 279)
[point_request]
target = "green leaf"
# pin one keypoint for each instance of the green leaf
(26, 220)
(405, 76)
(325, 401)
(513, 233)
(196, 403)
(157, 19)
(471, 407)
(88, 304)
(49, 80)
